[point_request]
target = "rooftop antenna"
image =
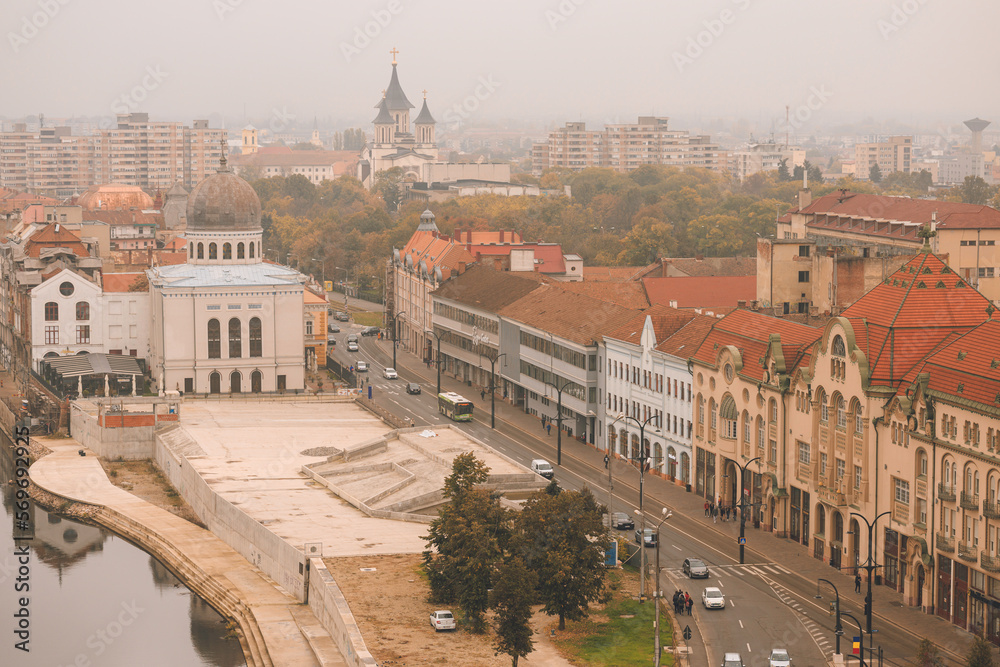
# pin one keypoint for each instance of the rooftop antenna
(787, 125)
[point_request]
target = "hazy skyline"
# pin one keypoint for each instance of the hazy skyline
(548, 62)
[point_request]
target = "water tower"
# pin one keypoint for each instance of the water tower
(977, 125)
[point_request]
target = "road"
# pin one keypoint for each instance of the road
(767, 605)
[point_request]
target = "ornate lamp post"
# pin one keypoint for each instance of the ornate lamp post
(559, 392)
(493, 395)
(437, 359)
(658, 595)
(643, 459)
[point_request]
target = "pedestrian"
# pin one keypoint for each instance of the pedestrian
(688, 602)
(543, 422)
(482, 394)
(708, 507)
(715, 514)
(606, 461)
(857, 582)
(548, 428)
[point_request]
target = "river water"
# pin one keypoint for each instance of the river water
(96, 600)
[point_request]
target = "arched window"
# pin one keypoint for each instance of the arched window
(747, 427)
(859, 418)
(191, 250)
(701, 409)
(714, 419)
(82, 310)
(227, 250)
(214, 339)
(256, 346)
(240, 250)
(51, 311)
(213, 251)
(201, 251)
(837, 348)
(251, 250)
(824, 406)
(235, 338)
(761, 434)
(841, 412)
(773, 410)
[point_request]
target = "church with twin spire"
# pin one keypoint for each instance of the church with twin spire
(395, 143)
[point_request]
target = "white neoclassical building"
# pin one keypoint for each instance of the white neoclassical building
(226, 321)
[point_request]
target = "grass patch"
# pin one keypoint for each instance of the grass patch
(367, 319)
(619, 634)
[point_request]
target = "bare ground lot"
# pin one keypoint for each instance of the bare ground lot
(144, 480)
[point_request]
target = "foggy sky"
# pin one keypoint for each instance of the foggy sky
(544, 61)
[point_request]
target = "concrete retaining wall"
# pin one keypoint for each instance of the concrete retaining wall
(269, 553)
(330, 606)
(360, 504)
(130, 443)
(7, 418)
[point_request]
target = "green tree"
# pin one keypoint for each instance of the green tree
(783, 174)
(875, 174)
(562, 539)
(976, 191)
(980, 653)
(927, 654)
(510, 599)
(388, 187)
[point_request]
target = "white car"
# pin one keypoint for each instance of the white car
(442, 620)
(390, 373)
(352, 346)
(712, 598)
(361, 366)
(779, 658)
(732, 660)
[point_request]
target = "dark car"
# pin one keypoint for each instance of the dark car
(412, 388)
(343, 317)
(646, 538)
(332, 328)
(370, 331)
(695, 568)
(622, 521)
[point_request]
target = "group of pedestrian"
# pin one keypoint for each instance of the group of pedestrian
(682, 602)
(547, 425)
(719, 511)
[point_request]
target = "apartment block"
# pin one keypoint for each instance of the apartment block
(892, 154)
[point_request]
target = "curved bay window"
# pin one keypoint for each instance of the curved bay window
(235, 338)
(214, 339)
(256, 346)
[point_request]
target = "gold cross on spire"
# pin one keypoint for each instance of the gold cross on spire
(394, 51)
(383, 93)
(425, 93)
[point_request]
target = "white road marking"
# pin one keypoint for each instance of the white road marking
(720, 583)
(741, 624)
(749, 650)
(731, 603)
(770, 569)
(678, 548)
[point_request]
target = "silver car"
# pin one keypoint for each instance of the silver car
(713, 598)
(779, 658)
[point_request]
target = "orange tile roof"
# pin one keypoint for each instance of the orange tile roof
(750, 332)
(486, 289)
(548, 256)
(54, 236)
(949, 215)
(436, 250)
(688, 338)
(969, 366)
(574, 317)
(614, 274)
(121, 217)
(119, 282)
(905, 317)
(665, 320)
(627, 294)
(713, 292)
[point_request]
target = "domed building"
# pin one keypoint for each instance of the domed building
(226, 321)
(114, 197)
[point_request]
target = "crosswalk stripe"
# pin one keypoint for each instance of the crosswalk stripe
(770, 569)
(782, 569)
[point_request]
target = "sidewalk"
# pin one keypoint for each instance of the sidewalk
(888, 605)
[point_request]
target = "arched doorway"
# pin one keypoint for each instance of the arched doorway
(255, 382)
(685, 468)
(671, 463)
(919, 580)
(836, 540)
(771, 523)
(819, 542)
(730, 495)
(235, 382)
(855, 546)
(215, 383)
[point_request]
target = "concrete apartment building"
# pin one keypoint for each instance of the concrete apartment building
(152, 155)
(316, 165)
(625, 147)
(892, 154)
(855, 240)
(891, 407)
(764, 157)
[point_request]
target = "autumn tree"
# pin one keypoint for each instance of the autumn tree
(783, 173)
(875, 173)
(388, 184)
(511, 599)
(562, 538)
(980, 653)
(976, 191)
(927, 654)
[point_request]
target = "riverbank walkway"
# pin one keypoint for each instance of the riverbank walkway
(278, 630)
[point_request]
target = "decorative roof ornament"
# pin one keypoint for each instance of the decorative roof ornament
(223, 160)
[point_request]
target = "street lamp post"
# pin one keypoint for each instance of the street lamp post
(870, 567)
(493, 394)
(395, 327)
(347, 277)
(322, 270)
(611, 484)
(743, 503)
(838, 630)
(559, 391)
(658, 595)
(861, 633)
(643, 458)
(437, 359)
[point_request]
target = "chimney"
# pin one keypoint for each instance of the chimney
(741, 304)
(805, 194)
(501, 236)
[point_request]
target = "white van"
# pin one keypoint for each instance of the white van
(543, 468)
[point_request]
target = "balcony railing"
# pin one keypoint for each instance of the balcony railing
(989, 563)
(966, 551)
(944, 543)
(946, 492)
(969, 501)
(991, 510)
(831, 496)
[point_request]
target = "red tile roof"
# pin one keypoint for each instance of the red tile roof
(628, 294)
(917, 212)
(120, 282)
(54, 236)
(548, 256)
(435, 250)
(666, 321)
(574, 317)
(613, 274)
(905, 317)
(712, 292)
(688, 338)
(750, 332)
(968, 367)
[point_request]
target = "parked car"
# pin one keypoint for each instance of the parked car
(412, 388)
(648, 538)
(694, 568)
(352, 346)
(332, 328)
(442, 620)
(543, 468)
(343, 317)
(779, 658)
(361, 366)
(389, 374)
(713, 598)
(370, 331)
(622, 521)
(732, 660)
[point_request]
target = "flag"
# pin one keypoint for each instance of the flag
(857, 646)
